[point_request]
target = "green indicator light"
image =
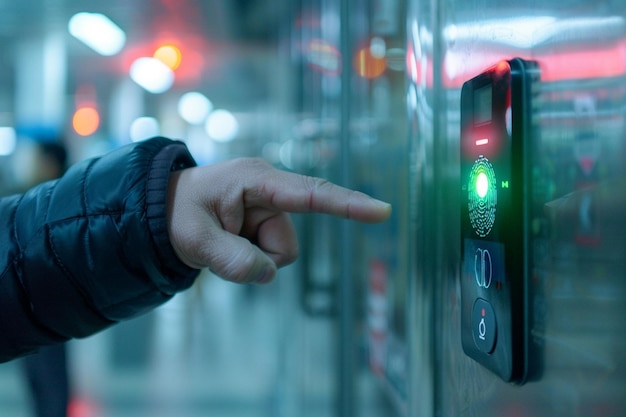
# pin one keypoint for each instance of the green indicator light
(482, 196)
(482, 184)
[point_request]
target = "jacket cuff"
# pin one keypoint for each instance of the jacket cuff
(177, 276)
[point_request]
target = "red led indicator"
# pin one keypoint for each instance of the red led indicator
(482, 312)
(481, 142)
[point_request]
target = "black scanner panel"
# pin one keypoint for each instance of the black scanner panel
(496, 132)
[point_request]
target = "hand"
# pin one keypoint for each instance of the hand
(594, 216)
(232, 217)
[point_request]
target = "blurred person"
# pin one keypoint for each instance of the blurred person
(46, 371)
(120, 234)
(48, 381)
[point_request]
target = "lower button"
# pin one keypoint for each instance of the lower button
(484, 327)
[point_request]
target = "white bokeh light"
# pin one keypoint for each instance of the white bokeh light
(222, 126)
(152, 74)
(194, 107)
(97, 32)
(378, 47)
(144, 128)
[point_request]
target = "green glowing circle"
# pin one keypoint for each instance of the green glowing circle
(482, 185)
(482, 196)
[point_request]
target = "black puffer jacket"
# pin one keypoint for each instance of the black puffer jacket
(86, 251)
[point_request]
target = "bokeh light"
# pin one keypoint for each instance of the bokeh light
(194, 107)
(144, 128)
(170, 55)
(369, 61)
(152, 74)
(222, 126)
(86, 120)
(97, 32)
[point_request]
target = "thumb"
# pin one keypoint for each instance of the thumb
(236, 259)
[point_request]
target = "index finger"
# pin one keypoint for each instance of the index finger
(296, 193)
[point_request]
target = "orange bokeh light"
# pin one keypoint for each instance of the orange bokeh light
(170, 55)
(86, 121)
(367, 65)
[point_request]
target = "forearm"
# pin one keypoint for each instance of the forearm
(92, 248)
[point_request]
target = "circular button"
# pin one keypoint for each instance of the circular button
(484, 327)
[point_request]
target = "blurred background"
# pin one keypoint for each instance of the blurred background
(367, 94)
(230, 78)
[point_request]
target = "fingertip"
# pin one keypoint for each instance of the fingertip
(386, 209)
(372, 210)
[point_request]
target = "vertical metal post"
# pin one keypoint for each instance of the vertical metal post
(440, 170)
(346, 308)
(440, 145)
(423, 305)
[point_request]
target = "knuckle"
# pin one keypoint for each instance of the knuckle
(313, 186)
(252, 163)
(315, 183)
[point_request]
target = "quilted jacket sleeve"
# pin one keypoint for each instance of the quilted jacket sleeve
(90, 249)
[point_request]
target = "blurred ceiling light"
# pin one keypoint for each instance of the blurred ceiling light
(170, 55)
(152, 74)
(194, 107)
(222, 126)
(143, 128)
(8, 140)
(518, 31)
(97, 32)
(531, 31)
(85, 121)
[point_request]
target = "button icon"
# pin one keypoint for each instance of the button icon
(484, 326)
(483, 268)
